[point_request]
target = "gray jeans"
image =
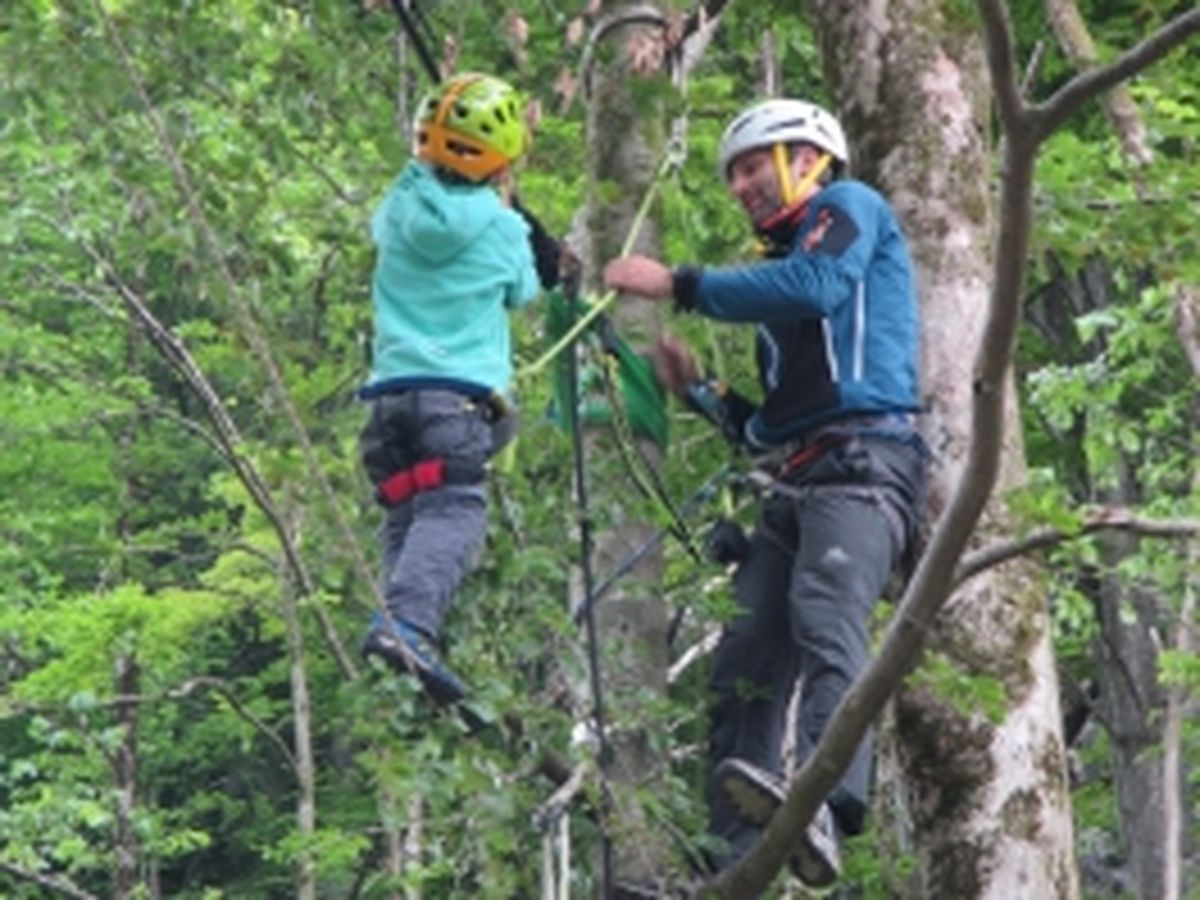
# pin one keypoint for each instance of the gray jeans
(818, 560)
(431, 540)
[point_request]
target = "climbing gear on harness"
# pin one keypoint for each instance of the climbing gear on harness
(809, 453)
(471, 124)
(426, 475)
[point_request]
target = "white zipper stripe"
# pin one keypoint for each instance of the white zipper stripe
(830, 355)
(860, 330)
(775, 358)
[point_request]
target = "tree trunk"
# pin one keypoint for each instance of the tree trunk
(987, 799)
(1130, 699)
(625, 141)
(124, 760)
(306, 801)
(1132, 704)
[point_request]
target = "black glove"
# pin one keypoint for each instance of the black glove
(546, 251)
(726, 543)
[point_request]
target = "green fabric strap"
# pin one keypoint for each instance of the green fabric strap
(642, 396)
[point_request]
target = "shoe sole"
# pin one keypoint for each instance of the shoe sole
(811, 864)
(753, 800)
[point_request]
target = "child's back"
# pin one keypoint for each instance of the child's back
(452, 260)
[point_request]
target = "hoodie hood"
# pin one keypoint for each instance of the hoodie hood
(435, 219)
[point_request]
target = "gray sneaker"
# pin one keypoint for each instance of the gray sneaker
(755, 794)
(817, 861)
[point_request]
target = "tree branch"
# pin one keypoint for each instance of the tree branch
(1077, 43)
(1187, 324)
(1067, 100)
(997, 36)
(173, 350)
(55, 883)
(183, 691)
(242, 311)
(1112, 519)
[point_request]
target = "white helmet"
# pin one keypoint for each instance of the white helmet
(781, 121)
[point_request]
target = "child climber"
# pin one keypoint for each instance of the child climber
(455, 253)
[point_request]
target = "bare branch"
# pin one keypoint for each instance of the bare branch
(997, 35)
(1077, 43)
(1187, 324)
(57, 883)
(1083, 87)
(242, 311)
(697, 651)
(173, 350)
(548, 814)
(1099, 520)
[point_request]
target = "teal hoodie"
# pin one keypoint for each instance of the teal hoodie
(451, 261)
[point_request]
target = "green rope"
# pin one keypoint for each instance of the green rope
(644, 474)
(597, 308)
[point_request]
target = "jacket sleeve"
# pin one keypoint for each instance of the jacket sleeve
(525, 284)
(546, 250)
(809, 282)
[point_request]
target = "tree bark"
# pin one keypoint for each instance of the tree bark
(1126, 653)
(125, 765)
(1076, 41)
(987, 801)
(305, 764)
(625, 142)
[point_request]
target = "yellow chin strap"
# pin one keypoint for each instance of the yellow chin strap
(789, 190)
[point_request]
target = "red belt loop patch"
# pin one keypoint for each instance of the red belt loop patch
(424, 476)
(428, 474)
(806, 455)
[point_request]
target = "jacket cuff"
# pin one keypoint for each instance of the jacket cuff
(685, 286)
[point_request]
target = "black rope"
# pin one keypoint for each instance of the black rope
(405, 14)
(698, 498)
(644, 474)
(570, 289)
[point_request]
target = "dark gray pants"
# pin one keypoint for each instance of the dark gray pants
(818, 560)
(431, 540)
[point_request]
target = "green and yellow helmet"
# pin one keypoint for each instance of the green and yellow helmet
(472, 124)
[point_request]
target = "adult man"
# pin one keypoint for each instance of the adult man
(837, 341)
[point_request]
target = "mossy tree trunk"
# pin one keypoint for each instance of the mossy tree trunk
(984, 790)
(625, 138)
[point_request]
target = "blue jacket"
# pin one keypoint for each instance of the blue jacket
(836, 312)
(452, 260)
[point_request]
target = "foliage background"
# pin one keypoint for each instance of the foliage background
(125, 536)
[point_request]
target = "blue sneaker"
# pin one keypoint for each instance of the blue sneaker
(387, 636)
